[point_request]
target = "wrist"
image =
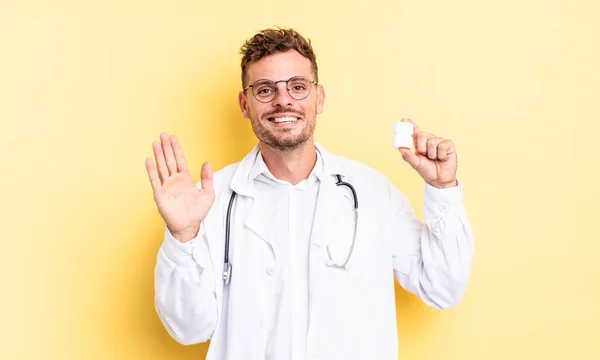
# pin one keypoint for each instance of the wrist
(186, 235)
(453, 183)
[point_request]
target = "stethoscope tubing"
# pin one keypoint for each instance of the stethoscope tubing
(227, 266)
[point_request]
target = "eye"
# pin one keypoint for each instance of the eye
(299, 85)
(264, 91)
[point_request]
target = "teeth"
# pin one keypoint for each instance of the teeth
(285, 119)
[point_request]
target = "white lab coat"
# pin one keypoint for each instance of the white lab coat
(351, 312)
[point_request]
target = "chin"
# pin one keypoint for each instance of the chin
(288, 145)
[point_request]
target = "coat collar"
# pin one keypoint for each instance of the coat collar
(242, 184)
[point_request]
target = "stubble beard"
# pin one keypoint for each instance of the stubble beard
(284, 143)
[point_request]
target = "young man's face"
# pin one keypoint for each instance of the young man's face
(271, 120)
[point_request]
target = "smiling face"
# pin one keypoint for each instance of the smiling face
(284, 123)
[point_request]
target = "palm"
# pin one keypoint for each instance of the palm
(181, 204)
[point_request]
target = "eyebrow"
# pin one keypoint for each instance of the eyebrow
(295, 76)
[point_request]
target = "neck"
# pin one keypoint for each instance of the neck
(292, 166)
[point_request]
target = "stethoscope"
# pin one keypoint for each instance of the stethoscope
(227, 265)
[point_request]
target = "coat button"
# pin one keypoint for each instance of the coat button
(270, 271)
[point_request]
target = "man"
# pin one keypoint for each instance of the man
(309, 278)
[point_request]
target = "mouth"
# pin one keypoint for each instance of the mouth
(283, 119)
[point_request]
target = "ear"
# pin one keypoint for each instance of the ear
(243, 104)
(320, 98)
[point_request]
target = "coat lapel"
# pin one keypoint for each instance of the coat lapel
(247, 202)
(257, 223)
(330, 201)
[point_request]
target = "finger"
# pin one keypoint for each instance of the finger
(415, 126)
(432, 147)
(163, 172)
(168, 151)
(179, 158)
(421, 143)
(206, 176)
(152, 175)
(416, 130)
(445, 149)
(411, 158)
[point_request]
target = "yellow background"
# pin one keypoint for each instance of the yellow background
(86, 86)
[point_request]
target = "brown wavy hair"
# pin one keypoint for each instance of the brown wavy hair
(272, 41)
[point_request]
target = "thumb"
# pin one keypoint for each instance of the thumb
(410, 157)
(206, 176)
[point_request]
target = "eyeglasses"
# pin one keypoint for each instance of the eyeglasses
(265, 90)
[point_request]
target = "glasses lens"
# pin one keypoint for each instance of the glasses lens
(298, 87)
(264, 90)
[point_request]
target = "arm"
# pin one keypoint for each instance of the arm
(433, 260)
(184, 285)
(185, 298)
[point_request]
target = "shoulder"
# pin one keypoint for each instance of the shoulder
(360, 172)
(374, 188)
(223, 176)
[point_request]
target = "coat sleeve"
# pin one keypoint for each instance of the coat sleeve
(433, 259)
(184, 289)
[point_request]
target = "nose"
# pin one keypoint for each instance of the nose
(282, 98)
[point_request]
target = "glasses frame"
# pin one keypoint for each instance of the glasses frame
(277, 88)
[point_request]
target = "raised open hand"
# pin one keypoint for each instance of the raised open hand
(181, 204)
